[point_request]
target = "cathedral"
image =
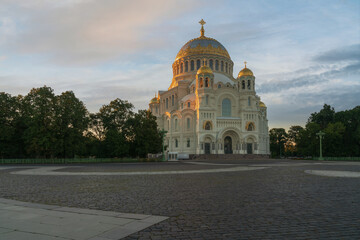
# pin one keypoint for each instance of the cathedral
(208, 111)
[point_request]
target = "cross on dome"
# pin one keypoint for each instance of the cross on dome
(202, 31)
(204, 62)
(245, 63)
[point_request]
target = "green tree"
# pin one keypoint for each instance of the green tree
(72, 121)
(324, 117)
(351, 140)
(278, 138)
(9, 119)
(333, 139)
(293, 139)
(95, 136)
(308, 144)
(39, 110)
(115, 121)
(145, 135)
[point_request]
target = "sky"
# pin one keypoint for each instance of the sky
(303, 53)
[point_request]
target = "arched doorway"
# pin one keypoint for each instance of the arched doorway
(250, 144)
(249, 148)
(207, 145)
(228, 145)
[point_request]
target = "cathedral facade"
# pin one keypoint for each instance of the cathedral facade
(208, 111)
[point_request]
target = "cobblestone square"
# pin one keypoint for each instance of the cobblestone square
(217, 199)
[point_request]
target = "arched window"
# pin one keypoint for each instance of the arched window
(181, 67)
(176, 124)
(226, 107)
(243, 84)
(211, 63)
(186, 66)
(249, 101)
(188, 142)
(192, 65)
(188, 104)
(226, 67)
(168, 125)
(219, 86)
(176, 143)
(201, 82)
(172, 100)
(251, 127)
(167, 103)
(207, 125)
(197, 64)
(222, 66)
(217, 65)
(249, 85)
(188, 123)
(207, 99)
(206, 82)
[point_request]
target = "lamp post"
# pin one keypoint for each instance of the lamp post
(163, 132)
(321, 135)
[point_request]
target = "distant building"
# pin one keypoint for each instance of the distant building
(208, 111)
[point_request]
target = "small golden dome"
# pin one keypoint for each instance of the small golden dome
(156, 99)
(204, 70)
(245, 72)
(261, 104)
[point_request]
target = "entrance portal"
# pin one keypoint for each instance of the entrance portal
(207, 148)
(228, 145)
(249, 148)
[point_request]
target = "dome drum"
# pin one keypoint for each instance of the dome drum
(190, 64)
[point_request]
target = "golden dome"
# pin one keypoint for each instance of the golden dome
(156, 99)
(245, 72)
(261, 104)
(202, 45)
(204, 70)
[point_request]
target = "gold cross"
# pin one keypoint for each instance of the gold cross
(202, 22)
(245, 63)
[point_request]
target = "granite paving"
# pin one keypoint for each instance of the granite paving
(279, 201)
(22, 220)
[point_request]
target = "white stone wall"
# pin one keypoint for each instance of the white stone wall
(245, 110)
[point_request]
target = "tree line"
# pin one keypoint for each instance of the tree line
(44, 125)
(341, 139)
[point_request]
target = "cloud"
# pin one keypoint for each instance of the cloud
(348, 53)
(333, 79)
(86, 32)
(334, 64)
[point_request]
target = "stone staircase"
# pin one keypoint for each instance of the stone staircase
(230, 156)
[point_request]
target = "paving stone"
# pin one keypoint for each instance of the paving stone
(5, 230)
(18, 222)
(16, 235)
(280, 201)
